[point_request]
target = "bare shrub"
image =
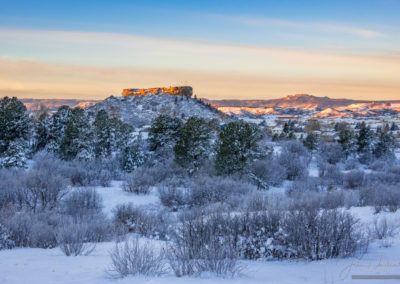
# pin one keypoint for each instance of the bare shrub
(314, 235)
(198, 248)
(269, 172)
(353, 179)
(138, 182)
(351, 164)
(6, 241)
(295, 166)
(172, 197)
(205, 190)
(72, 239)
(42, 190)
(381, 229)
(382, 197)
(27, 230)
(133, 258)
(82, 202)
(149, 223)
(88, 173)
(306, 185)
(331, 152)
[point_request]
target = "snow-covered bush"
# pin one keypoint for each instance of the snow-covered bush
(313, 235)
(382, 197)
(10, 192)
(132, 258)
(353, 179)
(72, 239)
(304, 185)
(138, 182)
(172, 196)
(6, 241)
(382, 228)
(42, 190)
(206, 190)
(331, 152)
(82, 202)
(294, 158)
(330, 175)
(198, 248)
(27, 230)
(147, 223)
(88, 174)
(268, 172)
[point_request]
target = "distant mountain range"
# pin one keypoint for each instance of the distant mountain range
(302, 104)
(301, 101)
(53, 104)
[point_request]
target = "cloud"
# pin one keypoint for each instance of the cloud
(26, 78)
(316, 26)
(71, 64)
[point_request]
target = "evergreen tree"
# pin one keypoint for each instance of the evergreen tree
(121, 134)
(164, 132)
(16, 154)
(15, 126)
(102, 128)
(364, 139)
(14, 122)
(346, 138)
(311, 141)
(193, 144)
(56, 128)
(41, 132)
(78, 137)
(385, 146)
(134, 155)
(237, 147)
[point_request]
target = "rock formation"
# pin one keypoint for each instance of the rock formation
(186, 91)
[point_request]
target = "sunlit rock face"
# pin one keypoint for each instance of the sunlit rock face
(186, 91)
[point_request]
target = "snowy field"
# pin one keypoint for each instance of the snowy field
(40, 266)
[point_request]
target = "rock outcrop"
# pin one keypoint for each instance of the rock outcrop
(186, 91)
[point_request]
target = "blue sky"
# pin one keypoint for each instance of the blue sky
(330, 44)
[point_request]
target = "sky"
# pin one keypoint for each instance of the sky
(224, 49)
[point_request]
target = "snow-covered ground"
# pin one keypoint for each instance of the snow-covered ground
(114, 195)
(40, 266)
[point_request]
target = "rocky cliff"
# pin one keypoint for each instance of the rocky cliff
(186, 91)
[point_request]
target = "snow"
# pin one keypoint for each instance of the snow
(114, 195)
(42, 266)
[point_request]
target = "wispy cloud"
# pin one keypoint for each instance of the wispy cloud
(316, 26)
(95, 65)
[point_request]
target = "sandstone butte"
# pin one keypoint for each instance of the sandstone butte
(186, 91)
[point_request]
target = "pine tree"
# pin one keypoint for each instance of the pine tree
(103, 134)
(56, 129)
(364, 139)
(164, 132)
(311, 141)
(78, 137)
(237, 147)
(134, 155)
(385, 146)
(14, 122)
(15, 128)
(41, 132)
(346, 138)
(193, 144)
(121, 134)
(16, 154)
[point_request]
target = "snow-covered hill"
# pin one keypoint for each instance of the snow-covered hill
(141, 110)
